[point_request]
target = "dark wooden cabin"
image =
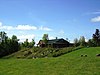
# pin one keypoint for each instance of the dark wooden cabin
(55, 43)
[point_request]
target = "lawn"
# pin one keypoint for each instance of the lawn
(68, 64)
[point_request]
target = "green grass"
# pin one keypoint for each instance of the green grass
(68, 64)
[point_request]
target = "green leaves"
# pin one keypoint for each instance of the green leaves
(8, 45)
(45, 38)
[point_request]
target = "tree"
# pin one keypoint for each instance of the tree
(82, 41)
(32, 43)
(76, 42)
(96, 37)
(14, 43)
(8, 45)
(45, 38)
(14, 38)
(90, 43)
(26, 43)
(3, 36)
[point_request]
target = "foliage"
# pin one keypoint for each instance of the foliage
(27, 44)
(82, 41)
(14, 38)
(7, 45)
(96, 38)
(95, 41)
(45, 38)
(76, 42)
(31, 44)
(90, 43)
(3, 36)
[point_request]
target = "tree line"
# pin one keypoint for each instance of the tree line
(94, 42)
(8, 45)
(11, 45)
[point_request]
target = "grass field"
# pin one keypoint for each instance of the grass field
(68, 64)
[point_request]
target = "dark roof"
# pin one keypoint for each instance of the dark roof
(57, 41)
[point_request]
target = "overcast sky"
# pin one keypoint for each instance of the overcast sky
(58, 18)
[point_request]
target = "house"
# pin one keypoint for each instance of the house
(41, 43)
(55, 43)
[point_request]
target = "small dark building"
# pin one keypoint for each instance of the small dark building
(41, 43)
(55, 43)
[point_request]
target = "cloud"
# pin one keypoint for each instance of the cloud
(61, 32)
(45, 28)
(18, 27)
(5, 27)
(95, 19)
(24, 37)
(26, 27)
(23, 31)
(92, 13)
(23, 27)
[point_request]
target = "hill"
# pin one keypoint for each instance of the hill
(37, 52)
(68, 64)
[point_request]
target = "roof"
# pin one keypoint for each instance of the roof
(40, 42)
(57, 41)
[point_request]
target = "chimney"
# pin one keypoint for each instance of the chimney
(56, 38)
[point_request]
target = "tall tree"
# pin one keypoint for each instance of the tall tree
(14, 42)
(8, 45)
(14, 38)
(26, 43)
(82, 41)
(96, 37)
(76, 42)
(3, 36)
(45, 38)
(32, 43)
(90, 43)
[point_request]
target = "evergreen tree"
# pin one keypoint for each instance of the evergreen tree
(96, 38)
(3, 36)
(8, 45)
(90, 43)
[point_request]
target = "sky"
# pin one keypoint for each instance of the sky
(30, 19)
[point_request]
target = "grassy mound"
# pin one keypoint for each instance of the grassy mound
(37, 52)
(68, 64)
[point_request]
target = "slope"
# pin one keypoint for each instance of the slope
(68, 64)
